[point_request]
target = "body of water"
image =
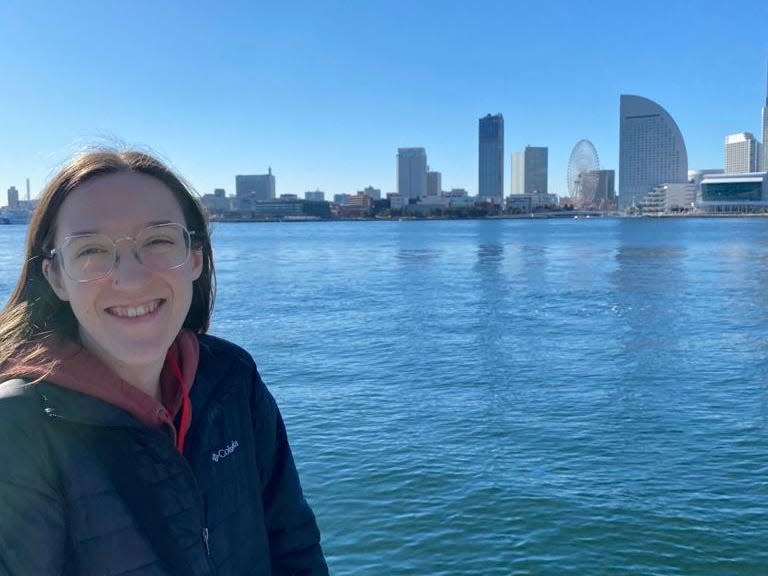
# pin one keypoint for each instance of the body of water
(513, 396)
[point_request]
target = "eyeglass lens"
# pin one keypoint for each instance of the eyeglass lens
(92, 256)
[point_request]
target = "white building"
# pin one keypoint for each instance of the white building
(742, 153)
(670, 198)
(396, 201)
(696, 176)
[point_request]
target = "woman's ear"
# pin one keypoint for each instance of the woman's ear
(53, 276)
(197, 263)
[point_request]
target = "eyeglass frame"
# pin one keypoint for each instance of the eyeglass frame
(188, 234)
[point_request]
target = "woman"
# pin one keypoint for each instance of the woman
(131, 442)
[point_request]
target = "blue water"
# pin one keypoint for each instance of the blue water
(513, 397)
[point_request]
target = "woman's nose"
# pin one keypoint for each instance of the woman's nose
(128, 271)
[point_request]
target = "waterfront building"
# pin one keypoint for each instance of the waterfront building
(734, 193)
(13, 198)
(340, 198)
(315, 195)
(741, 153)
(530, 170)
(216, 203)
(651, 150)
(412, 172)
(255, 187)
(396, 201)
(696, 176)
(764, 155)
(490, 168)
(356, 205)
(371, 192)
(670, 198)
(434, 183)
(289, 209)
(520, 203)
(429, 205)
(600, 187)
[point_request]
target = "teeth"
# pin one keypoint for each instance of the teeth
(133, 312)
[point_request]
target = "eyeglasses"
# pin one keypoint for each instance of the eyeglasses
(88, 257)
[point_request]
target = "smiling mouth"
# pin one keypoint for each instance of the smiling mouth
(134, 311)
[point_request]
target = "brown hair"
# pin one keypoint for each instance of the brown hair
(33, 309)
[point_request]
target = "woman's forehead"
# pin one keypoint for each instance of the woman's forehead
(117, 203)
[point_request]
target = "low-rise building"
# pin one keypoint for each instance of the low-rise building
(315, 195)
(670, 198)
(734, 193)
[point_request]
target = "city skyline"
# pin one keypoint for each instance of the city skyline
(325, 95)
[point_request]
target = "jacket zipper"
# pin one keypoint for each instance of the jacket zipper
(205, 541)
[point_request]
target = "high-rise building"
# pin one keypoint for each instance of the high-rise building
(412, 172)
(651, 150)
(529, 170)
(434, 183)
(257, 187)
(490, 168)
(741, 153)
(764, 155)
(13, 198)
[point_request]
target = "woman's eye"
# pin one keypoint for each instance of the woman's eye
(159, 241)
(92, 251)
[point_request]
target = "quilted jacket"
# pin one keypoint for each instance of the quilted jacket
(232, 502)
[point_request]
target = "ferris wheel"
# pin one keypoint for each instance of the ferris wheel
(582, 182)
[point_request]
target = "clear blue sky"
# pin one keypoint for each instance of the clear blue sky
(325, 92)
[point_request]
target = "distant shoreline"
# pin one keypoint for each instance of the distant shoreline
(545, 216)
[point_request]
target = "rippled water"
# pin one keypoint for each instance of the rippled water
(513, 397)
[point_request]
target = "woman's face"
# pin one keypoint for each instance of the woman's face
(130, 317)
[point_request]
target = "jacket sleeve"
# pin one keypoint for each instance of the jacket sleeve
(294, 539)
(32, 524)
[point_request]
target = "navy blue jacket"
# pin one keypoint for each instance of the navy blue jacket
(232, 502)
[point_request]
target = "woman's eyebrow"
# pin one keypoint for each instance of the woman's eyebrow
(96, 231)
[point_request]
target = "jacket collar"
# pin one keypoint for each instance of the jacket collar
(73, 406)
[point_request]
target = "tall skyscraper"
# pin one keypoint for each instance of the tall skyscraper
(764, 155)
(651, 150)
(529, 170)
(412, 172)
(490, 168)
(255, 186)
(741, 153)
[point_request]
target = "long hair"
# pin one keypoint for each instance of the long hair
(33, 310)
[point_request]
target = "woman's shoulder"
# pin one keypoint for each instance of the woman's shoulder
(223, 354)
(224, 365)
(18, 397)
(22, 417)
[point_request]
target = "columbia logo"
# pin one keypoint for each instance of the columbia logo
(224, 452)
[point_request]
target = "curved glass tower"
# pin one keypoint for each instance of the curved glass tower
(651, 150)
